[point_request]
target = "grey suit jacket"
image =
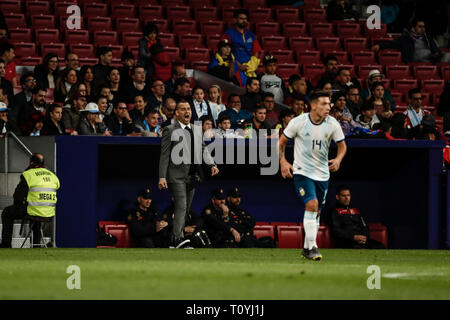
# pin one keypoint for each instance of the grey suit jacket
(171, 166)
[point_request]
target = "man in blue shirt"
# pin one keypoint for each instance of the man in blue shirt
(237, 115)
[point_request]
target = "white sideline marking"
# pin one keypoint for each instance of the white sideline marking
(411, 275)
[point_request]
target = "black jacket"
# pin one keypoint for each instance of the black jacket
(347, 222)
(143, 223)
(217, 226)
(101, 73)
(41, 76)
(10, 126)
(251, 100)
(194, 111)
(245, 222)
(191, 219)
(336, 12)
(50, 129)
(113, 125)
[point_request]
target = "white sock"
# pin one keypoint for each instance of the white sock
(310, 226)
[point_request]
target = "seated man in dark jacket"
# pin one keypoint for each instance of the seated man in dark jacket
(147, 228)
(119, 122)
(340, 10)
(348, 227)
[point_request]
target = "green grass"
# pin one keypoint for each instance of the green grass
(228, 274)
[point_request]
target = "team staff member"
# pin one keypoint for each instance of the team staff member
(147, 228)
(245, 222)
(35, 195)
(219, 222)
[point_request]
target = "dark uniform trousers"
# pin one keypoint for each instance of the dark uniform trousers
(11, 213)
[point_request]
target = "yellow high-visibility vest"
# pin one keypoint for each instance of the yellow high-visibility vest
(42, 184)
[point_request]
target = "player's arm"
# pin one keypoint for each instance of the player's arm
(335, 163)
(286, 167)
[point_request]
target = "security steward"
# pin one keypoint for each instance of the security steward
(147, 228)
(35, 195)
(245, 222)
(219, 223)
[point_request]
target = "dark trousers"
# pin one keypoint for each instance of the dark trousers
(11, 213)
(351, 244)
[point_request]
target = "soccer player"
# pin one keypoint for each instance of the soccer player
(313, 133)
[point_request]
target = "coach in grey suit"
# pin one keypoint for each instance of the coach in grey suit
(180, 165)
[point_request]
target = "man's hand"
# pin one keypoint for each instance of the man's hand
(107, 133)
(224, 209)
(189, 229)
(242, 67)
(214, 171)
(236, 235)
(161, 225)
(286, 169)
(360, 239)
(334, 165)
(375, 48)
(162, 184)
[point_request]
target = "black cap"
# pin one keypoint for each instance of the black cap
(269, 59)
(218, 194)
(145, 193)
(234, 192)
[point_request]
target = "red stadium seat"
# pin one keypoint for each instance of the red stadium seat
(397, 72)
(279, 223)
(398, 97)
(312, 3)
(445, 72)
(228, 3)
(272, 28)
(228, 12)
(323, 237)
(378, 232)
(43, 21)
(162, 24)
(264, 231)
(85, 50)
(294, 29)
(58, 48)
(30, 61)
(363, 70)
(200, 65)
(355, 44)
(99, 23)
(15, 20)
(205, 14)
(432, 86)
(290, 237)
(374, 33)
(260, 14)
(128, 24)
(283, 56)
(47, 35)
(308, 57)
(262, 223)
(197, 54)
(301, 43)
(273, 42)
(190, 41)
(212, 41)
(253, 3)
(344, 30)
(425, 72)
(286, 15)
(88, 61)
(211, 27)
(77, 36)
(285, 70)
(151, 11)
(169, 3)
(404, 85)
(173, 52)
(179, 13)
(314, 15)
(21, 34)
(201, 3)
(131, 38)
(184, 26)
(363, 57)
(25, 49)
(63, 23)
(10, 6)
(61, 8)
(167, 39)
(123, 11)
(116, 50)
(328, 43)
(312, 70)
(321, 29)
(342, 56)
(96, 10)
(37, 7)
(105, 37)
(122, 233)
(389, 57)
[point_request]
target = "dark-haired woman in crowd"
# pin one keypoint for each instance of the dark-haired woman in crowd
(46, 74)
(65, 86)
(381, 104)
(115, 85)
(53, 124)
(87, 78)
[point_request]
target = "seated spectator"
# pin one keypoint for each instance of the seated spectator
(47, 73)
(3, 96)
(207, 126)
(90, 123)
(354, 101)
(286, 115)
(341, 10)
(71, 115)
(53, 124)
(346, 123)
(339, 101)
(330, 63)
(182, 90)
(115, 85)
(87, 78)
(6, 125)
(137, 114)
(147, 227)
(398, 122)
(223, 64)
(415, 45)
(106, 92)
(27, 120)
(386, 127)
(138, 86)
(326, 87)
(414, 112)
(20, 100)
(298, 87)
(237, 115)
(157, 95)
(102, 69)
(152, 55)
(215, 101)
(219, 223)
(444, 108)
(367, 118)
(150, 124)
(7, 54)
(299, 105)
(377, 76)
(272, 115)
(259, 122)
(119, 121)
(199, 106)
(224, 128)
(72, 62)
(343, 80)
(271, 82)
(127, 59)
(102, 103)
(6, 84)
(382, 106)
(34, 125)
(178, 71)
(65, 85)
(166, 111)
(252, 97)
(348, 228)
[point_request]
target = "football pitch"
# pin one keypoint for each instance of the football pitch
(223, 274)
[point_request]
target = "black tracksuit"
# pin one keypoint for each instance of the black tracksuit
(218, 227)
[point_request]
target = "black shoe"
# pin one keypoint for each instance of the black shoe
(312, 254)
(181, 244)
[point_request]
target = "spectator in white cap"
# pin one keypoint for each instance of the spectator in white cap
(376, 76)
(5, 125)
(90, 124)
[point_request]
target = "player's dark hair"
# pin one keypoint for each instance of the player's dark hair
(341, 188)
(329, 58)
(315, 95)
(205, 118)
(102, 51)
